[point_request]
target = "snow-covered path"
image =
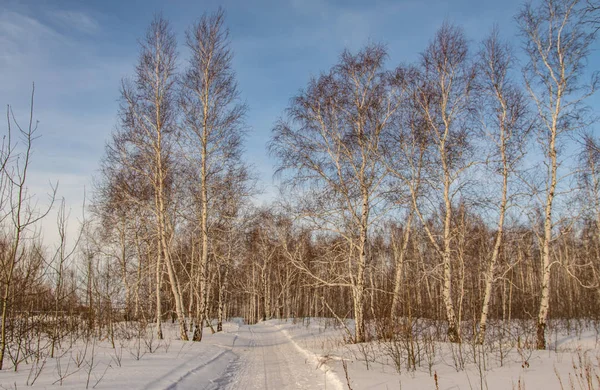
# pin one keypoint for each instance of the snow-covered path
(262, 357)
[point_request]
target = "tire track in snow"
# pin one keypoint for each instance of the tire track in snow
(181, 373)
(269, 359)
(208, 374)
(198, 378)
(262, 356)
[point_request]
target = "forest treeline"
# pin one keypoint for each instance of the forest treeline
(462, 188)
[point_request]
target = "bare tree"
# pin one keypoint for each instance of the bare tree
(146, 141)
(505, 125)
(557, 43)
(214, 128)
(60, 264)
(18, 213)
(444, 96)
(331, 142)
(404, 152)
(589, 180)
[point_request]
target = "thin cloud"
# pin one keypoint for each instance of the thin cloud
(75, 19)
(20, 33)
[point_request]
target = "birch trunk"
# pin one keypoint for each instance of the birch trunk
(161, 216)
(399, 254)
(358, 290)
(546, 264)
(489, 275)
(453, 325)
(223, 283)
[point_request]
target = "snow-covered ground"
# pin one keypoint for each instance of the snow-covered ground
(261, 356)
(573, 362)
(310, 354)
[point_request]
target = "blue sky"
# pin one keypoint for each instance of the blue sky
(77, 52)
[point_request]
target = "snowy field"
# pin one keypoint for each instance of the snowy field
(572, 362)
(312, 354)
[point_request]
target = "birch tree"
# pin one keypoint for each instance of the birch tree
(148, 112)
(329, 144)
(213, 125)
(589, 180)
(404, 154)
(557, 43)
(444, 91)
(503, 111)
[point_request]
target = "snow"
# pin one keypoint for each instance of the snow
(574, 360)
(241, 357)
(308, 354)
